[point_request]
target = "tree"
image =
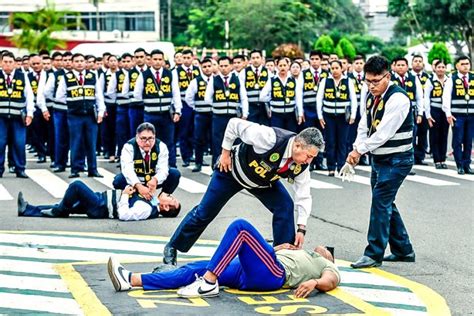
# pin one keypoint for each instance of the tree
(366, 44)
(439, 51)
(390, 52)
(325, 44)
(37, 28)
(436, 20)
(346, 48)
(288, 50)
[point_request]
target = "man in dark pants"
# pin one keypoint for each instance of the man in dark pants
(265, 155)
(386, 131)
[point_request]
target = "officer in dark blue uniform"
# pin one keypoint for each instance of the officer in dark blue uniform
(82, 92)
(135, 110)
(357, 76)
(159, 91)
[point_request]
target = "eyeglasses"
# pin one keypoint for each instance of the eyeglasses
(375, 82)
(146, 139)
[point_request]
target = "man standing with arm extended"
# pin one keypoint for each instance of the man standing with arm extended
(265, 155)
(386, 131)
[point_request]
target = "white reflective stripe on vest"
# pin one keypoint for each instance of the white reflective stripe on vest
(402, 135)
(435, 105)
(164, 108)
(237, 170)
(309, 100)
(462, 110)
(10, 111)
(392, 150)
(81, 98)
(157, 100)
(60, 106)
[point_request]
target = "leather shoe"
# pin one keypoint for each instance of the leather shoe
(331, 173)
(197, 168)
(21, 174)
(411, 173)
(205, 164)
(468, 170)
(438, 165)
(421, 163)
(74, 175)
(21, 203)
(185, 164)
(444, 166)
(169, 255)
(11, 169)
(321, 167)
(41, 160)
(394, 258)
(365, 262)
(94, 174)
(59, 169)
(460, 170)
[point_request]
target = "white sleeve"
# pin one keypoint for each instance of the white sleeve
(126, 84)
(162, 168)
(112, 86)
(361, 132)
(261, 137)
(209, 91)
(190, 93)
(244, 101)
(30, 98)
(419, 96)
(363, 97)
(299, 96)
(320, 97)
(447, 90)
(353, 98)
(427, 100)
(40, 99)
(176, 95)
(265, 94)
(99, 98)
(61, 93)
(138, 91)
(303, 200)
(139, 211)
(126, 163)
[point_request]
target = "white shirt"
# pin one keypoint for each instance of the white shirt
(61, 93)
(140, 84)
(266, 93)
(138, 211)
(419, 93)
(263, 138)
(396, 110)
(447, 91)
(427, 93)
(29, 95)
(43, 78)
(112, 92)
(192, 90)
(320, 97)
(128, 170)
(244, 102)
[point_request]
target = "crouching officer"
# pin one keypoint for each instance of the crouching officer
(144, 163)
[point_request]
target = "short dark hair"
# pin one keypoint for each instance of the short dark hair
(98, 58)
(125, 55)
(439, 61)
(224, 58)
(206, 60)
(145, 126)
(91, 56)
(67, 54)
(359, 57)
(239, 56)
(187, 51)
(461, 58)
(139, 50)
(77, 55)
(157, 52)
(376, 65)
(106, 54)
(256, 51)
(399, 58)
(316, 53)
(8, 54)
(45, 57)
(417, 56)
(172, 211)
(56, 54)
(336, 61)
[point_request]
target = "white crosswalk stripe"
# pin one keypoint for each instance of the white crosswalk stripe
(48, 181)
(4, 195)
(445, 172)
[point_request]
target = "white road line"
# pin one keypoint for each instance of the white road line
(447, 162)
(32, 283)
(107, 179)
(403, 312)
(40, 303)
(4, 195)
(356, 178)
(363, 278)
(385, 296)
(50, 182)
(191, 186)
(316, 184)
(446, 172)
(207, 170)
(28, 267)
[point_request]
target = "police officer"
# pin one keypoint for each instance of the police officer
(254, 78)
(336, 104)
(437, 120)
(184, 129)
(157, 88)
(228, 97)
(238, 63)
(458, 104)
(311, 78)
(284, 95)
(16, 103)
(49, 102)
(265, 155)
(81, 91)
(135, 110)
(195, 95)
(357, 76)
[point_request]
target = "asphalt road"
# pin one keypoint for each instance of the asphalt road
(439, 219)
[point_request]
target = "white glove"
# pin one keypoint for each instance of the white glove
(347, 172)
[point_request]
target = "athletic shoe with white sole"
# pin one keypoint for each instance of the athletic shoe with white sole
(119, 275)
(199, 288)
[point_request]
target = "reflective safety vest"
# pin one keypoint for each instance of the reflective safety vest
(120, 80)
(184, 78)
(133, 76)
(283, 96)
(402, 141)
(336, 98)
(107, 76)
(357, 85)
(310, 87)
(58, 106)
(12, 97)
(157, 97)
(200, 106)
(226, 99)
(254, 84)
(409, 87)
(80, 99)
(143, 171)
(462, 99)
(436, 94)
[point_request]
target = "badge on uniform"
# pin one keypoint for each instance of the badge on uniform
(10, 90)
(467, 97)
(274, 157)
(160, 93)
(256, 86)
(81, 91)
(149, 80)
(458, 81)
(227, 93)
(166, 80)
(18, 82)
(287, 100)
(147, 177)
(359, 86)
(297, 169)
(343, 87)
(338, 94)
(154, 156)
(276, 84)
(290, 84)
(315, 88)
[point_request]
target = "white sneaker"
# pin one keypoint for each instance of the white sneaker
(119, 275)
(199, 288)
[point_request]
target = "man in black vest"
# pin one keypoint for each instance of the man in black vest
(386, 131)
(144, 163)
(265, 155)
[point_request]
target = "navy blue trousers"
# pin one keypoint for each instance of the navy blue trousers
(219, 124)
(352, 133)
(39, 133)
(13, 127)
(83, 138)
(122, 124)
(185, 128)
(284, 120)
(202, 126)
(258, 114)
(107, 130)
(164, 131)
(136, 117)
(168, 186)
(220, 190)
(337, 129)
(439, 135)
(386, 224)
(61, 138)
(421, 146)
(463, 131)
(243, 260)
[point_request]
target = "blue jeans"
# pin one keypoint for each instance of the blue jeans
(61, 138)
(336, 140)
(108, 135)
(83, 139)
(284, 120)
(463, 131)
(135, 114)
(219, 124)
(220, 190)
(202, 126)
(185, 128)
(164, 131)
(168, 186)
(439, 135)
(122, 127)
(13, 127)
(386, 224)
(243, 260)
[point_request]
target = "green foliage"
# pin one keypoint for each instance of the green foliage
(439, 51)
(392, 51)
(346, 48)
(339, 52)
(325, 44)
(366, 44)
